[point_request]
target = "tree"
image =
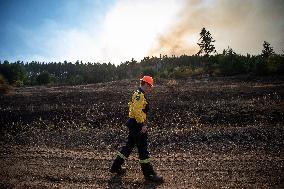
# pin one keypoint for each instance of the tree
(43, 78)
(149, 71)
(206, 46)
(267, 50)
(13, 72)
(229, 51)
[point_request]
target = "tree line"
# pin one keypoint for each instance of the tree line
(206, 61)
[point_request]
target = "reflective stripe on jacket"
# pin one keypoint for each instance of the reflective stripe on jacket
(138, 106)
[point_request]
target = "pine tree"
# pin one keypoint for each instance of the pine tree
(267, 50)
(206, 46)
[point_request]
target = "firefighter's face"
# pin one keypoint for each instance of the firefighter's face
(147, 88)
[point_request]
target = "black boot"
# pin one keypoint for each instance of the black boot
(149, 173)
(154, 178)
(119, 171)
(116, 166)
(147, 169)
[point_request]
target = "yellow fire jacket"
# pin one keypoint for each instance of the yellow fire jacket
(138, 106)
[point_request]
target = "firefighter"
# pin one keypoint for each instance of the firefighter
(137, 136)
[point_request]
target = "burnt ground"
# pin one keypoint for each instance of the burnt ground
(205, 133)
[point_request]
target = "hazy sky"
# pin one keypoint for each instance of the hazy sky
(118, 30)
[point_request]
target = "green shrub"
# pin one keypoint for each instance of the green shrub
(19, 83)
(43, 78)
(2, 79)
(4, 87)
(164, 74)
(197, 71)
(77, 79)
(185, 72)
(275, 64)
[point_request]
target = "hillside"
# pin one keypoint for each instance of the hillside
(205, 133)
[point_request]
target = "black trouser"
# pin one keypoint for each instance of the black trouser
(135, 138)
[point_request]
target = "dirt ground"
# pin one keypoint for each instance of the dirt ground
(205, 133)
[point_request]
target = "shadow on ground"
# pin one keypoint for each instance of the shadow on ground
(117, 182)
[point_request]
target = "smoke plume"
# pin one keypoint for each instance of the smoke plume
(242, 25)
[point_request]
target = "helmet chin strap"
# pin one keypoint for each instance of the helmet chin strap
(143, 87)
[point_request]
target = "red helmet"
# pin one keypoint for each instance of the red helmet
(148, 79)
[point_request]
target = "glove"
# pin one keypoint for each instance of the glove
(144, 129)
